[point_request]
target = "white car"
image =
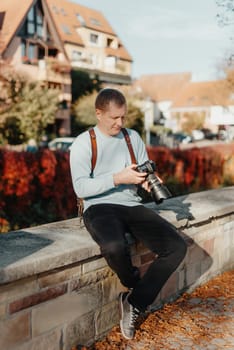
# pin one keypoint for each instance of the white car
(61, 143)
(198, 135)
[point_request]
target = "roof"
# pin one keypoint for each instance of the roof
(162, 87)
(15, 11)
(67, 18)
(199, 94)
(182, 92)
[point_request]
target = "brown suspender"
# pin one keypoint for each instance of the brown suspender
(94, 159)
(93, 149)
(128, 141)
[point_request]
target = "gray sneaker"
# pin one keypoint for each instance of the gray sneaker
(128, 316)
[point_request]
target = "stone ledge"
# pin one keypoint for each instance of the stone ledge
(43, 248)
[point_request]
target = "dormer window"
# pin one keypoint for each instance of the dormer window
(95, 22)
(65, 29)
(63, 12)
(55, 9)
(80, 19)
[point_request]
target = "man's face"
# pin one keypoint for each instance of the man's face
(111, 120)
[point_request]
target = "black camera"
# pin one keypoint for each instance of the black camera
(158, 191)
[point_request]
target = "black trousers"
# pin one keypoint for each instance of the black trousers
(108, 224)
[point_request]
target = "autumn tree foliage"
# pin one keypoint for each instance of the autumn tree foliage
(26, 108)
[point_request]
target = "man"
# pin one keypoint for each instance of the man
(112, 208)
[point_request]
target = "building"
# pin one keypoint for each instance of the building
(90, 42)
(178, 98)
(45, 39)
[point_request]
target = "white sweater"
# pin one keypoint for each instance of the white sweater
(112, 156)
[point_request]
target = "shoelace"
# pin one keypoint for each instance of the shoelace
(134, 315)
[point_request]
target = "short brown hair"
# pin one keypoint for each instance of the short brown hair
(107, 95)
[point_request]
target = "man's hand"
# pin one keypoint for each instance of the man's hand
(146, 187)
(129, 176)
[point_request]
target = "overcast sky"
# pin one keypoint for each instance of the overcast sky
(167, 36)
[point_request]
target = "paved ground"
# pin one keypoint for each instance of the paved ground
(203, 320)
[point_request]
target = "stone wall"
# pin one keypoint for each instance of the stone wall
(56, 290)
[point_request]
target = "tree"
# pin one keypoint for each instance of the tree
(84, 114)
(27, 109)
(226, 18)
(82, 84)
(193, 121)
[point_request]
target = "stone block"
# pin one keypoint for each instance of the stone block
(208, 246)
(93, 265)
(90, 278)
(111, 289)
(48, 341)
(65, 308)
(106, 318)
(79, 331)
(54, 277)
(14, 331)
(18, 289)
(35, 299)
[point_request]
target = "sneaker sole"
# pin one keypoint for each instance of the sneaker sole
(121, 317)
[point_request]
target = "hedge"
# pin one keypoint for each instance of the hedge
(36, 188)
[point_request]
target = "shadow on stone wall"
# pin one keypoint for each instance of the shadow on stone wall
(19, 244)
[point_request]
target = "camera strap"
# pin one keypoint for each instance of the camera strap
(129, 144)
(94, 159)
(93, 149)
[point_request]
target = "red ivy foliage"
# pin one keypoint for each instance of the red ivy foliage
(36, 188)
(195, 168)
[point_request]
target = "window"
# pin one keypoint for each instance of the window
(31, 14)
(63, 12)
(109, 42)
(76, 55)
(93, 59)
(23, 49)
(110, 62)
(34, 23)
(39, 24)
(30, 21)
(31, 51)
(80, 19)
(94, 38)
(95, 22)
(65, 29)
(55, 9)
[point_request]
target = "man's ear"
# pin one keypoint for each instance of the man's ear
(98, 113)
